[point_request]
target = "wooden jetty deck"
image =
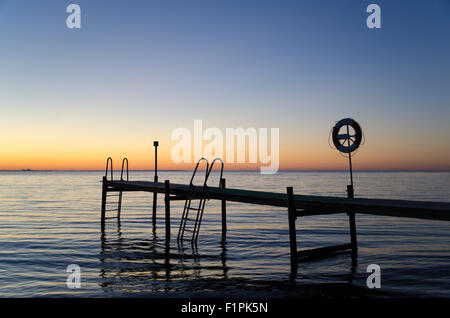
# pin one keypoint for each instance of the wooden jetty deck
(297, 206)
(312, 205)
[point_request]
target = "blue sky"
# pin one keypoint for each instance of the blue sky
(151, 66)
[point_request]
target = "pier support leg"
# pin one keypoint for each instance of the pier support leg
(104, 191)
(155, 179)
(292, 233)
(119, 206)
(352, 221)
(154, 205)
(224, 211)
(167, 202)
(354, 243)
(154, 209)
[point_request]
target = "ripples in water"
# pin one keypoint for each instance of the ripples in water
(47, 223)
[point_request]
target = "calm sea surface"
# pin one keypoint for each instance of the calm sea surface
(49, 220)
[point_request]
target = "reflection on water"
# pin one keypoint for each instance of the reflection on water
(151, 265)
(49, 220)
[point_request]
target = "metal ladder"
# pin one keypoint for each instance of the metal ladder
(205, 193)
(199, 209)
(119, 194)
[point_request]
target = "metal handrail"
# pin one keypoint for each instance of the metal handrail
(195, 171)
(221, 169)
(106, 170)
(121, 173)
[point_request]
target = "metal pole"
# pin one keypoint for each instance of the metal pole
(350, 158)
(351, 169)
(350, 190)
(351, 195)
(155, 144)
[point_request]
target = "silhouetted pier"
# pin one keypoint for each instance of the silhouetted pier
(297, 205)
(309, 205)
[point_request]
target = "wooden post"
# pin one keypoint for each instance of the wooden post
(154, 205)
(104, 191)
(292, 233)
(352, 220)
(167, 202)
(155, 179)
(224, 210)
(119, 205)
(354, 242)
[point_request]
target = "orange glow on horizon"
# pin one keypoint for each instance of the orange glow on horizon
(87, 149)
(289, 160)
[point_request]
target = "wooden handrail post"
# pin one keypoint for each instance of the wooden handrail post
(224, 210)
(167, 202)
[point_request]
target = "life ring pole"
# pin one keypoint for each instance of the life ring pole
(350, 163)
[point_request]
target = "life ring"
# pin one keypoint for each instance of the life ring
(353, 144)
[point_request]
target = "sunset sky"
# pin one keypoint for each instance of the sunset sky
(136, 70)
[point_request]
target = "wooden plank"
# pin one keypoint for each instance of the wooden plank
(310, 204)
(323, 251)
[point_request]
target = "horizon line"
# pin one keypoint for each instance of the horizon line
(238, 170)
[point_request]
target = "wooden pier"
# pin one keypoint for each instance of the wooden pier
(311, 205)
(297, 205)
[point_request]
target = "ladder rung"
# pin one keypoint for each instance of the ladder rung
(193, 208)
(188, 230)
(112, 195)
(111, 209)
(191, 219)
